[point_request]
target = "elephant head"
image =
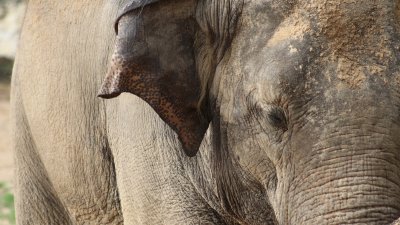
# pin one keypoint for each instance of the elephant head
(302, 96)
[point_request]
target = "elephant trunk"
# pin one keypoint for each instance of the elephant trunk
(351, 177)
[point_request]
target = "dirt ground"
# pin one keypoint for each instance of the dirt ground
(6, 156)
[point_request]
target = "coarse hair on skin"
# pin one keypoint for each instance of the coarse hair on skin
(218, 21)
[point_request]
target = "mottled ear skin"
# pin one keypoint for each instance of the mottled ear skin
(154, 59)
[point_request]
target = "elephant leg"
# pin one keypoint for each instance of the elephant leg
(36, 200)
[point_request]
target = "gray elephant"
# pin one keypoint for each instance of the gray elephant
(243, 112)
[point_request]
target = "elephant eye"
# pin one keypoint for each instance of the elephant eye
(277, 118)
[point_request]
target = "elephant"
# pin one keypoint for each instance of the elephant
(208, 112)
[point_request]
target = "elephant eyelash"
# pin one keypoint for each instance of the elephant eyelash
(277, 118)
(275, 115)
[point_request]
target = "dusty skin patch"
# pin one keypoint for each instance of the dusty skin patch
(354, 74)
(292, 28)
(350, 72)
(353, 27)
(293, 50)
(356, 35)
(397, 78)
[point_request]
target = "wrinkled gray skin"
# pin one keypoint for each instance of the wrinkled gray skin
(306, 120)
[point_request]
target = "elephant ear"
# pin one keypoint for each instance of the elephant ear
(154, 59)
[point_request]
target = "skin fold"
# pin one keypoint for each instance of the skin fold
(301, 100)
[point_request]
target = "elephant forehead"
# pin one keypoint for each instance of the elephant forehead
(317, 45)
(279, 66)
(293, 28)
(270, 49)
(357, 38)
(355, 28)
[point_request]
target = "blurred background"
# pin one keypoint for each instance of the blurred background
(11, 15)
